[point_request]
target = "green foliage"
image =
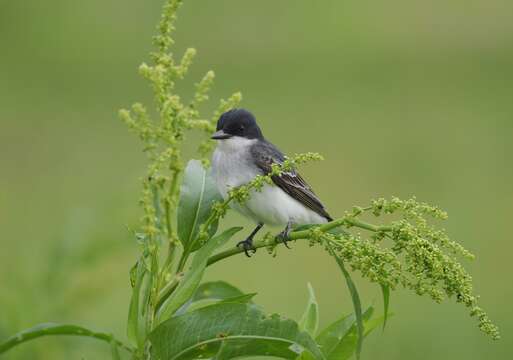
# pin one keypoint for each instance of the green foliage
(355, 297)
(210, 293)
(340, 339)
(229, 330)
(190, 282)
(385, 290)
(310, 320)
(218, 290)
(197, 195)
(50, 329)
(135, 324)
(172, 316)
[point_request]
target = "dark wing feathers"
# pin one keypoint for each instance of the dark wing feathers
(265, 155)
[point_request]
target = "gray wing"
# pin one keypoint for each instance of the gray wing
(265, 155)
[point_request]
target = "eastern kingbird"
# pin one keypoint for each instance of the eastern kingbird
(243, 153)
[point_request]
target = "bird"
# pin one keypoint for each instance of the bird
(241, 154)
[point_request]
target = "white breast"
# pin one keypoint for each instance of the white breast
(231, 164)
(232, 167)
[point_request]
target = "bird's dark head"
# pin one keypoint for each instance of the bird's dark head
(237, 123)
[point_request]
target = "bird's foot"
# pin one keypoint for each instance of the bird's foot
(247, 246)
(284, 235)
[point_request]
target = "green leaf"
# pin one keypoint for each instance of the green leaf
(196, 305)
(216, 290)
(310, 320)
(135, 326)
(57, 329)
(348, 347)
(193, 276)
(210, 293)
(197, 195)
(241, 299)
(339, 340)
(385, 290)
(114, 351)
(373, 323)
(356, 305)
(229, 330)
(330, 337)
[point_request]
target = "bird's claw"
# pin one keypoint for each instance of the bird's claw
(247, 246)
(284, 236)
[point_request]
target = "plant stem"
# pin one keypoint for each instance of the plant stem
(166, 291)
(171, 196)
(347, 221)
(364, 225)
(183, 260)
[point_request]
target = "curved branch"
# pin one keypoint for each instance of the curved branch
(347, 221)
(58, 329)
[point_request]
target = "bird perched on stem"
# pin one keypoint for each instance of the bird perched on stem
(242, 153)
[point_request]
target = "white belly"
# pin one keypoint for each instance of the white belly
(271, 205)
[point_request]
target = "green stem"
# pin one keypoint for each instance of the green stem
(167, 267)
(166, 291)
(56, 329)
(183, 260)
(347, 221)
(171, 239)
(169, 215)
(367, 226)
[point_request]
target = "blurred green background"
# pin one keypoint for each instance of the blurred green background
(402, 98)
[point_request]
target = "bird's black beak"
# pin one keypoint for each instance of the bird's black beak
(220, 135)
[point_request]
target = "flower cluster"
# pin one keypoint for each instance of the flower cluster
(415, 258)
(162, 137)
(162, 133)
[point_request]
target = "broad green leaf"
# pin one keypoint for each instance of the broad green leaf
(135, 326)
(192, 278)
(385, 290)
(216, 290)
(241, 299)
(229, 330)
(340, 339)
(356, 305)
(210, 293)
(310, 320)
(57, 329)
(197, 195)
(196, 305)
